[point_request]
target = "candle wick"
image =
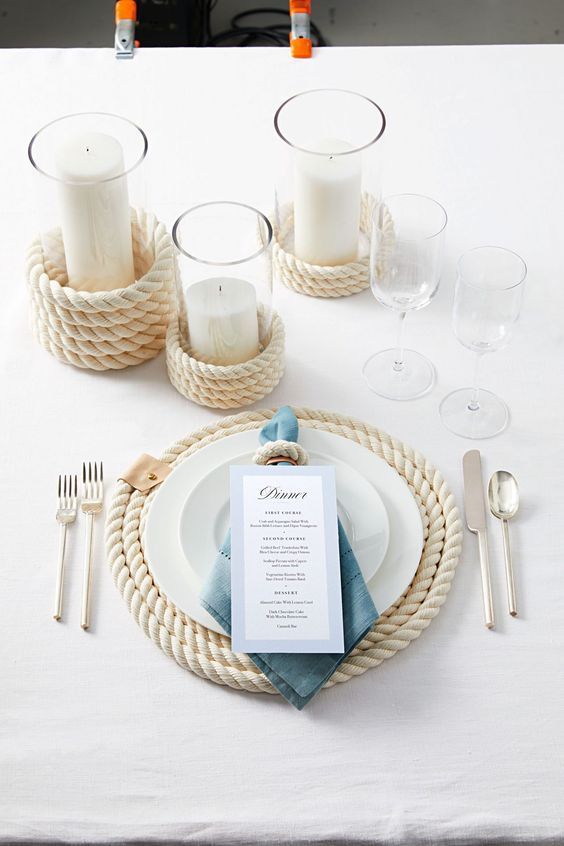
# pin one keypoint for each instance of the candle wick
(220, 289)
(88, 149)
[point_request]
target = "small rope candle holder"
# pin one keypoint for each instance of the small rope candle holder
(327, 281)
(226, 386)
(104, 330)
(226, 347)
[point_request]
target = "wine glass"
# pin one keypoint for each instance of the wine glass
(487, 304)
(406, 251)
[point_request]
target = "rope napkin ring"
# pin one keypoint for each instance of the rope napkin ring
(275, 451)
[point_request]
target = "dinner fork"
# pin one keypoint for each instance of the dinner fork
(66, 513)
(92, 503)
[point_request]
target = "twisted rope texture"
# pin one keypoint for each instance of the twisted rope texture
(324, 281)
(103, 330)
(230, 386)
(209, 654)
(281, 449)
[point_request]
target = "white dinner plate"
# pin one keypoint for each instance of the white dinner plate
(361, 511)
(181, 551)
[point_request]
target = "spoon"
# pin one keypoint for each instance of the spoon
(503, 495)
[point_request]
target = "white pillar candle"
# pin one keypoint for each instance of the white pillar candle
(222, 320)
(327, 204)
(95, 216)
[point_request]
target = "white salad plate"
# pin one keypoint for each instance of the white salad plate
(360, 509)
(189, 517)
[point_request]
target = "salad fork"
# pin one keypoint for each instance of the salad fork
(92, 504)
(66, 513)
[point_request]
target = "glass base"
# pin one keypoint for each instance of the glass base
(488, 419)
(414, 378)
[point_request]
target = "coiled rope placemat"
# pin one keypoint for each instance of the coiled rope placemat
(209, 654)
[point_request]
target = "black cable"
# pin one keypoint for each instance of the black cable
(249, 32)
(273, 33)
(247, 13)
(204, 8)
(203, 23)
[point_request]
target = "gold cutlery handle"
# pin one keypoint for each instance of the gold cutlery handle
(87, 576)
(58, 610)
(486, 580)
(511, 600)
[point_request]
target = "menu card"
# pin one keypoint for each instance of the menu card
(285, 566)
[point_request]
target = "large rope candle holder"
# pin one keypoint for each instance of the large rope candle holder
(225, 349)
(104, 330)
(100, 273)
(326, 191)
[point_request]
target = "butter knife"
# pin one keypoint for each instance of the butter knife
(475, 508)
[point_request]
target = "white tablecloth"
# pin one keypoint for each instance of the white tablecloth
(459, 739)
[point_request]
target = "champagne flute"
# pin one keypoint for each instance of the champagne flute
(487, 304)
(406, 252)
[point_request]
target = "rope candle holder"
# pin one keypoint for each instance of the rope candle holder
(226, 347)
(328, 177)
(104, 330)
(226, 386)
(327, 281)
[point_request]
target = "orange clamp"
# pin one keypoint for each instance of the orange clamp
(300, 6)
(300, 35)
(126, 10)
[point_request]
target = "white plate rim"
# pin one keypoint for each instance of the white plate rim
(344, 485)
(390, 581)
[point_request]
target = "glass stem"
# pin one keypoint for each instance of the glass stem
(474, 403)
(398, 359)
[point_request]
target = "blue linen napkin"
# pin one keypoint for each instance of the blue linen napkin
(298, 677)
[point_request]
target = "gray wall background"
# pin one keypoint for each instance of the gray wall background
(89, 23)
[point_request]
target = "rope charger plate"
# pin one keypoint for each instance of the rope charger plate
(208, 653)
